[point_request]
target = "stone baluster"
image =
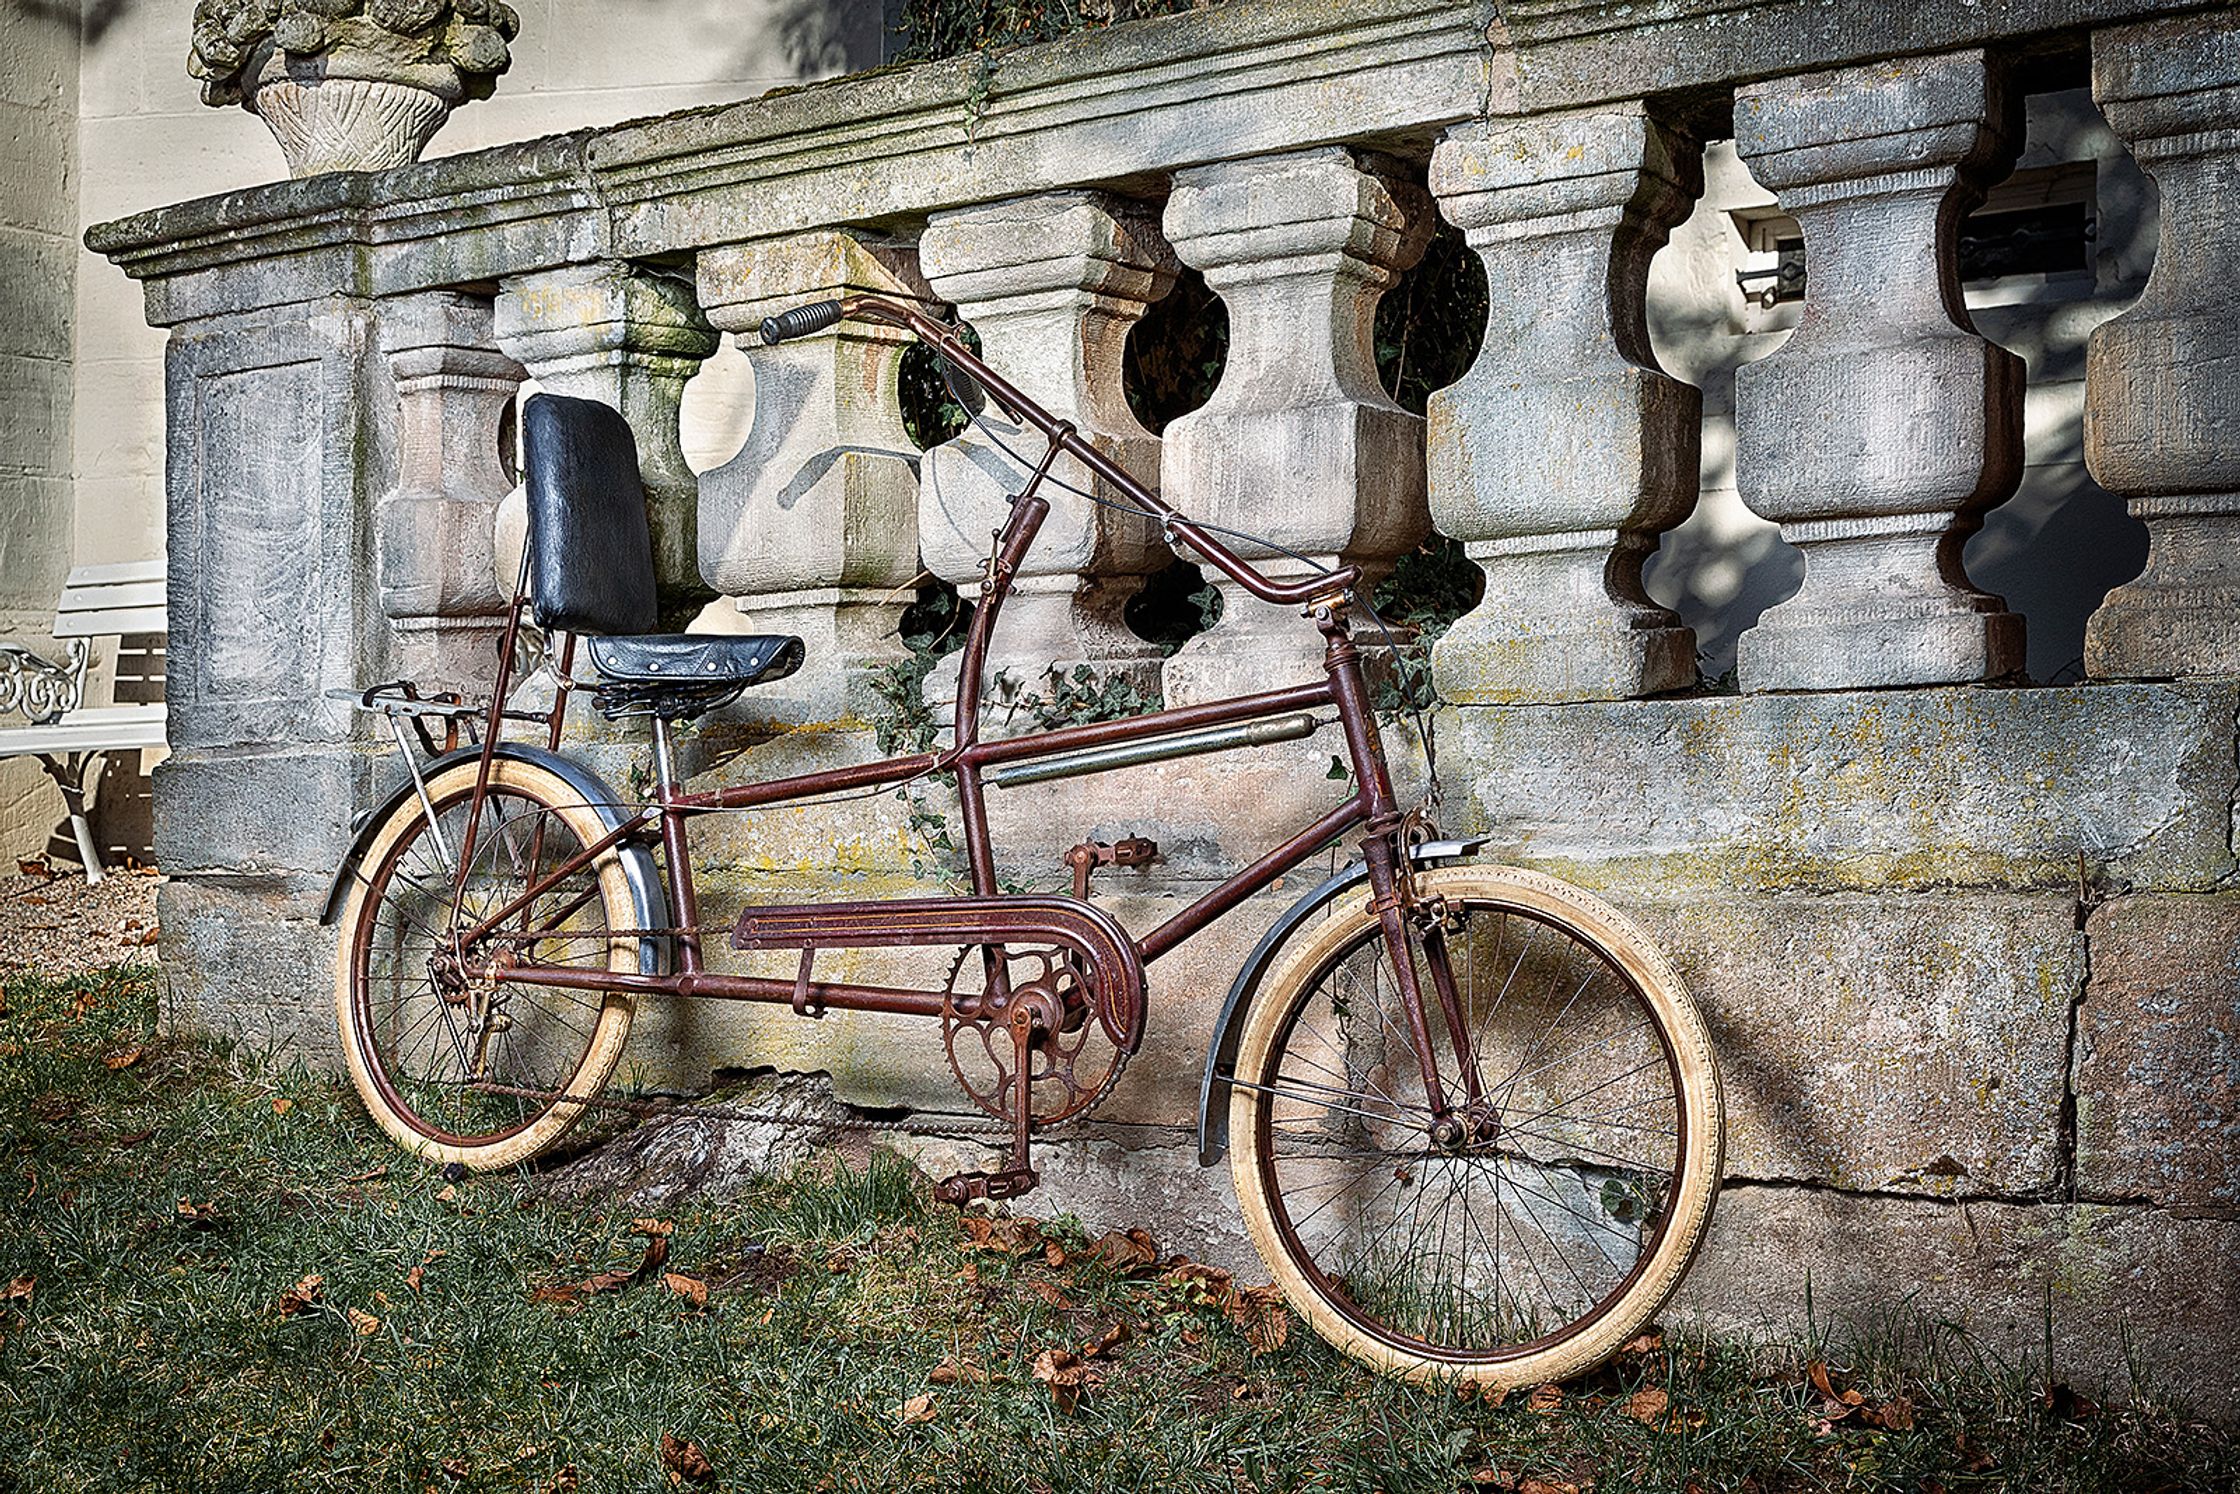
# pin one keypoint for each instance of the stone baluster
(1052, 284)
(2162, 403)
(1564, 452)
(1882, 431)
(812, 529)
(1299, 443)
(434, 530)
(629, 338)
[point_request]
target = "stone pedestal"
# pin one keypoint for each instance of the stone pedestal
(434, 530)
(812, 529)
(1885, 427)
(272, 417)
(630, 339)
(1052, 284)
(1299, 443)
(1564, 452)
(2162, 405)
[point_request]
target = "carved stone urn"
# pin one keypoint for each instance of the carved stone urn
(350, 85)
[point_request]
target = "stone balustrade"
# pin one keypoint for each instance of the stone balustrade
(1867, 863)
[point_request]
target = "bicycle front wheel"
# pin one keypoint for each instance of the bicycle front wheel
(1538, 1242)
(455, 1067)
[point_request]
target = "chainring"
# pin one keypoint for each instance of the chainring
(1072, 1068)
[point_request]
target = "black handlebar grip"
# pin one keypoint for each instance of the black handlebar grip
(800, 321)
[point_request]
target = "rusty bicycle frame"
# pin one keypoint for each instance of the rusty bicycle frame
(987, 917)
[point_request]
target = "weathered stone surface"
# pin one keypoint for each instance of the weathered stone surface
(812, 529)
(1564, 452)
(1299, 443)
(2158, 1053)
(1884, 428)
(434, 531)
(668, 1159)
(2162, 411)
(2128, 1285)
(630, 339)
(285, 809)
(248, 959)
(1912, 1043)
(1923, 789)
(1053, 285)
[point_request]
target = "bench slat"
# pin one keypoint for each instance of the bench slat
(102, 728)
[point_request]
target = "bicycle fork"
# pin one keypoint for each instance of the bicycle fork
(1391, 898)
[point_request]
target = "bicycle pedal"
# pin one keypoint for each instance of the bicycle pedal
(964, 1187)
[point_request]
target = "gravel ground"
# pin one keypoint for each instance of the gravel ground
(52, 923)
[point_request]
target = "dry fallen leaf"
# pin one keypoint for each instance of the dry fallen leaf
(684, 1460)
(1544, 1398)
(1112, 1338)
(1260, 1312)
(446, 1194)
(569, 1294)
(19, 1289)
(1049, 1294)
(692, 1289)
(123, 1058)
(1122, 1253)
(659, 1229)
(301, 1297)
(1645, 1343)
(194, 1215)
(1005, 1236)
(916, 1411)
(36, 868)
(1896, 1414)
(365, 1322)
(1199, 1282)
(1530, 1485)
(951, 1372)
(1647, 1406)
(1065, 1375)
(566, 1481)
(415, 1276)
(281, 1104)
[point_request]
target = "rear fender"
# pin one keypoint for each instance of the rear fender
(1228, 1027)
(638, 865)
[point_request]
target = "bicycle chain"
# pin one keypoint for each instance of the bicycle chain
(959, 1129)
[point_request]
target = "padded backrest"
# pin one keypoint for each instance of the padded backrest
(590, 554)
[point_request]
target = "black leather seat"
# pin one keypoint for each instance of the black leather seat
(591, 570)
(696, 658)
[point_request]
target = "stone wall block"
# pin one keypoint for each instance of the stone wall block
(434, 532)
(1563, 454)
(1299, 442)
(1860, 790)
(1053, 285)
(1883, 430)
(1911, 1043)
(629, 338)
(2124, 1285)
(812, 529)
(2162, 396)
(2158, 1053)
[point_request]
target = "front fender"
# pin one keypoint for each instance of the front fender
(1228, 1027)
(638, 865)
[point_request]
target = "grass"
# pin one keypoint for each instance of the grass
(165, 1202)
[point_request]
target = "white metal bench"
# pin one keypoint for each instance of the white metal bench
(67, 736)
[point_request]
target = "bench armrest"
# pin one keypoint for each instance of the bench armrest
(39, 688)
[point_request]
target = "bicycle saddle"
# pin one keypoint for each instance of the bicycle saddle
(696, 658)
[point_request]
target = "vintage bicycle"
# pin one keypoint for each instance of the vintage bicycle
(1473, 1117)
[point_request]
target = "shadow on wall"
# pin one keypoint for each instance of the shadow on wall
(92, 18)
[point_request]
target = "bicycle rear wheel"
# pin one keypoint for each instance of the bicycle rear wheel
(1536, 1244)
(454, 1067)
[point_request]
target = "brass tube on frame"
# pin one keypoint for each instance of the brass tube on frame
(1152, 750)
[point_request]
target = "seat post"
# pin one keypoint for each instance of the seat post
(664, 765)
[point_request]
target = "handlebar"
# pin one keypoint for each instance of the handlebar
(800, 321)
(815, 316)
